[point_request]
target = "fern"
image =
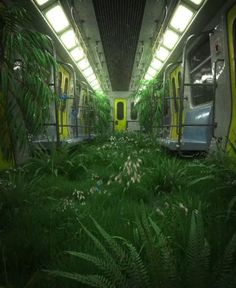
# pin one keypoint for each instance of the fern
(225, 271)
(90, 280)
(120, 265)
(197, 254)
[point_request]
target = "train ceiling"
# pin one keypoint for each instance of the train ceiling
(122, 34)
(119, 35)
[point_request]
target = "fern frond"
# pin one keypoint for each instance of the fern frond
(228, 261)
(120, 278)
(91, 280)
(197, 254)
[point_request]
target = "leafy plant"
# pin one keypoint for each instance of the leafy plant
(25, 96)
(120, 263)
(149, 104)
(103, 113)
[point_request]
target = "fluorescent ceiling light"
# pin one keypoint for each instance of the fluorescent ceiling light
(91, 78)
(162, 53)
(197, 2)
(97, 87)
(87, 72)
(181, 18)
(83, 64)
(170, 38)
(57, 18)
(94, 83)
(41, 2)
(69, 39)
(148, 77)
(77, 53)
(156, 64)
(152, 72)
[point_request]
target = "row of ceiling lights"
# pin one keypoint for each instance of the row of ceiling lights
(182, 17)
(59, 22)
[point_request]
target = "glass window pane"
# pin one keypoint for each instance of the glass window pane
(120, 110)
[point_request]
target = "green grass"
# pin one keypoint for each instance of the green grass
(124, 182)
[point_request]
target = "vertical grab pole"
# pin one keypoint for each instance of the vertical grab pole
(181, 96)
(56, 92)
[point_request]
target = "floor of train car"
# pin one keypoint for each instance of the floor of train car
(172, 219)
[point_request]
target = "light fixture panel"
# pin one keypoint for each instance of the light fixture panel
(151, 71)
(87, 72)
(156, 64)
(148, 77)
(181, 18)
(57, 18)
(77, 53)
(196, 2)
(41, 2)
(91, 78)
(162, 53)
(170, 38)
(83, 64)
(68, 38)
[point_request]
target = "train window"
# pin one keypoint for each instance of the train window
(174, 93)
(66, 86)
(120, 111)
(201, 73)
(133, 112)
(199, 54)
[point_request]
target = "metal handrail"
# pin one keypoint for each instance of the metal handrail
(183, 84)
(55, 90)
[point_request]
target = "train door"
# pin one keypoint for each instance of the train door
(232, 59)
(120, 114)
(175, 82)
(63, 83)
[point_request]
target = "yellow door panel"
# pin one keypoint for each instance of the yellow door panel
(232, 55)
(63, 111)
(174, 94)
(120, 114)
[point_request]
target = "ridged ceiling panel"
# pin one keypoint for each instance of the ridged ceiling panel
(119, 22)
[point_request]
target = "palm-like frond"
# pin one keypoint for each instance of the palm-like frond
(25, 72)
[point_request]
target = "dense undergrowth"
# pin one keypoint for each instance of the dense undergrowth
(122, 212)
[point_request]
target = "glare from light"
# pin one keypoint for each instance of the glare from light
(156, 64)
(94, 83)
(162, 53)
(91, 78)
(148, 77)
(83, 64)
(97, 87)
(152, 72)
(69, 39)
(57, 18)
(170, 38)
(181, 18)
(41, 2)
(87, 72)
(77, 53)
(197, 2)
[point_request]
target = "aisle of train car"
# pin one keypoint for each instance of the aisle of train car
(117, 143)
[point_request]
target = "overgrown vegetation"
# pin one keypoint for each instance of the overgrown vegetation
(25, 69)
(149, 104)
(103, 113)
(118, 212)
